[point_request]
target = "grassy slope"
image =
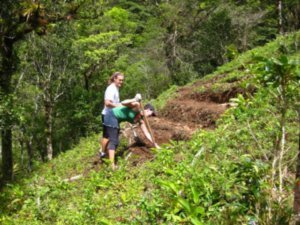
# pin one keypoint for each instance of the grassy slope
(219, 175)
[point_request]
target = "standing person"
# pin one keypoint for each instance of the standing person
(111, 100)
(130, 112)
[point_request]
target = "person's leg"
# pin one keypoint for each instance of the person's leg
(111, 157)
(112, 145)
(103, 146)
(103, 142)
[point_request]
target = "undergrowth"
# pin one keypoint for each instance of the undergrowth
(230, 175)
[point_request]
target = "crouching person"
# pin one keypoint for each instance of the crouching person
(131, 112)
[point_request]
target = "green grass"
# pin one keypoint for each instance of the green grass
(223, 176)
(162, 99)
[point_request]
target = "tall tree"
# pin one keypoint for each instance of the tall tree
(49, 59)
(280, 19)
(18, 18)
(13, 27)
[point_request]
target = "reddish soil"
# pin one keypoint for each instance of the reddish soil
(179, 119)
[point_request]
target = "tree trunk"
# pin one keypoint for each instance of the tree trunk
(297, 182)
(22, 152)
(7, 157)
(280, 18)
(283, 133)
(297, 190)
(48, 112)
(171, 50)
(29, 153)
(86, 81)
(7, 64)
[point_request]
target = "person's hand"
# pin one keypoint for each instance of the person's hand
(157, 146)
(138, 97)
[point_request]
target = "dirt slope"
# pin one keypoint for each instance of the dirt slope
(180, 118)
(189, 111)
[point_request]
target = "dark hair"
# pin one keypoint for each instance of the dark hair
(114, 76)
(150, 107)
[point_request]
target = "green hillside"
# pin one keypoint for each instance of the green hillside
(242, 172)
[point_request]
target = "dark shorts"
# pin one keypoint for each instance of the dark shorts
(110, 120)
(112, 134)
(105, 128)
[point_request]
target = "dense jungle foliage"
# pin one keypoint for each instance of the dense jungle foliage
(239, 173)
(56, 58)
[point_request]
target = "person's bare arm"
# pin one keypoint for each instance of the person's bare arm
(131, 103)
(147, 134)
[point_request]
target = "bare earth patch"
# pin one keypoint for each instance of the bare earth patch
(179, 119)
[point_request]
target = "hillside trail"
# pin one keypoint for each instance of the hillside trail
(188, 112)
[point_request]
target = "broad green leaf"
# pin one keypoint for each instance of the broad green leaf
(185, 204)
